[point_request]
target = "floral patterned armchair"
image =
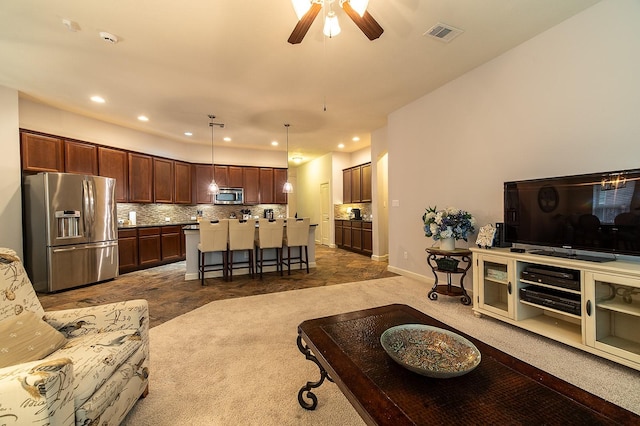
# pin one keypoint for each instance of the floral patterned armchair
(81, 366)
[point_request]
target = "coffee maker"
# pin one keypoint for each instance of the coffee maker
(268, 214)
(356, 214)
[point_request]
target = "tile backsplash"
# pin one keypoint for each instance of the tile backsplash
(150, 214)
(341, 211)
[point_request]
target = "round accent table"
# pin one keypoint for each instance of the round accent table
(449, 262)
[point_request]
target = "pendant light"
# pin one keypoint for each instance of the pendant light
(213, 186)
(287, 188)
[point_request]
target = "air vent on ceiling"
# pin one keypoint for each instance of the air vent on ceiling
(443, 32)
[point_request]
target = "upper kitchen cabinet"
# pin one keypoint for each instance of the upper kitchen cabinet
(202, 175)
(81, 158)
(365, 183)
(221, 175)
(182, 190)
(113, 163)
(279, 179)
(251, 179)
(346, 186)
(163, 180)
(229, 176)
(266, 185)
(356, 184)
(41, 153)
(140, 178)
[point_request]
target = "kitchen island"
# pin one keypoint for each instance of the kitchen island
(192, 238)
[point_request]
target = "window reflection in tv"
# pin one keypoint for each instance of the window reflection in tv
(597, 212)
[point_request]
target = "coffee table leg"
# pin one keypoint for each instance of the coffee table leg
(310, 385)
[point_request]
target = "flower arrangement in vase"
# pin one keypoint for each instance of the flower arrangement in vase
(448, 225)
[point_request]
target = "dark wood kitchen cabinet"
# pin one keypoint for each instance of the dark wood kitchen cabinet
(163, 180)
(279, 179)
(354, 235)
(365, 183)
(356, 184)
(221, 175)
(266, 186)
(346, 186)
(236, 177)
(149, 246)
(202, 175)
(80, 158)
(251, 178)
(41, 153)
(113, 163)
(127, 250)
(170, 242)
(140, 178)
(182, 181)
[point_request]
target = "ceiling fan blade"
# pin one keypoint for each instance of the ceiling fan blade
(304, 24)
(366, 23)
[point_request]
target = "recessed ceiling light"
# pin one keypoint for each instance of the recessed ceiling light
(98, 99)
(355, 139)
(188, 134)
(143, 118)
(341, 146)
(274, 143)
(71, 25)
(226, 139)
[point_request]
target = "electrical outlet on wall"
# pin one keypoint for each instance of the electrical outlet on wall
(406, 255)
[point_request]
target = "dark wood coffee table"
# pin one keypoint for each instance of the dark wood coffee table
(501, 390)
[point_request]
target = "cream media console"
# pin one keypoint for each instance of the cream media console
(588, 305)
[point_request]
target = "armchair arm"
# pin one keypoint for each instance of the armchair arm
(127, 315)
(37, 393)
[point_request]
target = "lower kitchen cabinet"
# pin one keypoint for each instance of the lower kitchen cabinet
(149, 246)
(170, 242)
(127, 250)
(354, 235)
(146, 247)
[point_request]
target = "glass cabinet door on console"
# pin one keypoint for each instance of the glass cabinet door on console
(613, 315)
(493, 286)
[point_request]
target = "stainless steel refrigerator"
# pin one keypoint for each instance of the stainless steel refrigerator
(71, 237)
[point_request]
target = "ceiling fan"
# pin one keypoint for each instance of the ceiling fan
(307, 10)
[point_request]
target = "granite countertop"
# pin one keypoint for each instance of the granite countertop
(149, 225)
(196, 226)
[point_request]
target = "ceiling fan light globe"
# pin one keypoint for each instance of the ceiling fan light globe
(301, 7)
(360, 6)
(331, 25)
(287, 188)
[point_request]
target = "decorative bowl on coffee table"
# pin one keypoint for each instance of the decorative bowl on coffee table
(430, 351)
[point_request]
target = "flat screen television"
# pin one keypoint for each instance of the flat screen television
(598, 212)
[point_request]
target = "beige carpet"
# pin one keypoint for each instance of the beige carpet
(235, 362)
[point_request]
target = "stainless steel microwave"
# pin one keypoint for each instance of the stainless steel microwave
(229, 196)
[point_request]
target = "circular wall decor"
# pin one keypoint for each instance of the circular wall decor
(547, 199)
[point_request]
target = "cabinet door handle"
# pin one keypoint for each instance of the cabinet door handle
(588, 307)
(509, 287)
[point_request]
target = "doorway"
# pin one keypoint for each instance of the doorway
(325, 206)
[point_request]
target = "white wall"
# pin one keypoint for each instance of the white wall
(10, 175)
(564, 102)
(309, 178)
(380, 194)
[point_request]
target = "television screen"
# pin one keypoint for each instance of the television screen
(597, 212)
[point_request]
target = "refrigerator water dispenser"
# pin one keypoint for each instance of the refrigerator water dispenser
(68, 223)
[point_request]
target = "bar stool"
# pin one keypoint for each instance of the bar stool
(270, 233)
(241, 237)
(213, 238)
(296, 235)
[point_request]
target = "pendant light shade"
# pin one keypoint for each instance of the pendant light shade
(331, 25)
(213, 186)
(287, 188)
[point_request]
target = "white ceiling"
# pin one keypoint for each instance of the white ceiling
(177, 62)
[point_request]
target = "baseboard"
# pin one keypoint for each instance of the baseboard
(383, 258)
(405, 273)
